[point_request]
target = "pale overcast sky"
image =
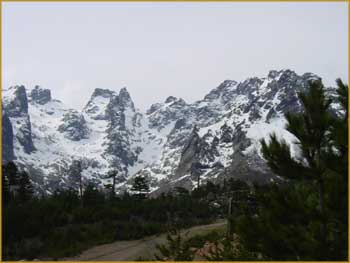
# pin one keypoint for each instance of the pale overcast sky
(161, 49)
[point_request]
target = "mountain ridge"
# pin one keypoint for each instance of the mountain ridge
(220, 132)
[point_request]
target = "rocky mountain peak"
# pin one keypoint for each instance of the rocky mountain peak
(105, 93)
(40, 95)
(16, 102)
(175, 102)
(288, 76)
(170, 99)
(125, 98)
(222, 90)
(228, 83)
(97, 105)
(273, 74)
(15, 105)
(170, 104)
(252, 82)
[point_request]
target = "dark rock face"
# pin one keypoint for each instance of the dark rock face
(249, 169)
(19, 105)
(74, 126)
(227, 133)
(190, 153)
(106, 93)
(97, 105)
(17, 110)
(7, 139)
(125, 100)
(115, 112)
(248, 87)
(40, 95)
(122, 122)
(170, 111)
(170, 99)
(199, 151)
(180, 134)
(272, 74)
(179, 124)
(24, 134)
(153, 108)
(221, 91)
(239, 140)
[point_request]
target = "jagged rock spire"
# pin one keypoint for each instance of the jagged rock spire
(40, 95)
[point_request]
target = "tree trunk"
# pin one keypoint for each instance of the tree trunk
(113, 186)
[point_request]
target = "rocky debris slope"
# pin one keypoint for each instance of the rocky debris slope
(218, 134)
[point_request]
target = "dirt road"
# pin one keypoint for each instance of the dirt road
(131, 250)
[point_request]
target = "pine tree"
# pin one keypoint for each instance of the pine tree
(25, 191)
(112, 174)
(195, 172)
(140, 186)
(323, 148)
(10, 180)
(336, 185)
(5, 189)
(311, 128)
(75, 177)
(11, 171)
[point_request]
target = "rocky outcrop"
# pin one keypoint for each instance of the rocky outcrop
(24, 133)
(7, 139)
(15, 106)
(226, 133)
(74, 126)
(122, 122)
(190, 154)
(161, 115)
(40, 95)
(97, 105)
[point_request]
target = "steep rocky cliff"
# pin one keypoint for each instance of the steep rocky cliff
(218, 134)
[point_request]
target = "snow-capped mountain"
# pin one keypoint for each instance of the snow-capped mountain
(220, 133)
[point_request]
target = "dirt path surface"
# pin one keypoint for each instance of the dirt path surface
(131, 250)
